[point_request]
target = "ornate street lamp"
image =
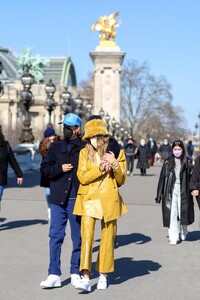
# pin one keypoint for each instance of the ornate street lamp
(101, 113)
(1, 84)
(68, 104)
(79, 106)
(26, 100)
(89, 107)
(50, 89)
(107, 119)
(198, 126)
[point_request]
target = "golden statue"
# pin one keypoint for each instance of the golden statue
(106, 26)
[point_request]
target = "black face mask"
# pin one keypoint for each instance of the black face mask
(68, 132)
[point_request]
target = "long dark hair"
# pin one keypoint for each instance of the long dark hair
(183, 157)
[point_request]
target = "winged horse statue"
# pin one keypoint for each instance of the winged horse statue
(106, 26)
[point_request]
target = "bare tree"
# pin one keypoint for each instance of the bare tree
(146, 104)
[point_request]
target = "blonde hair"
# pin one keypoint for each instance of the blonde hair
(102, 145)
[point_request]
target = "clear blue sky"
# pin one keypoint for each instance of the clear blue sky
(165, 33)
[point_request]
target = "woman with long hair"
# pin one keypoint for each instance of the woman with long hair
(49, 138)
(7, 157)
(100, 174)
(174, 192)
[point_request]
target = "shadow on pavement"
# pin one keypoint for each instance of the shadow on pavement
(21, 223)
(193, 236)
(126, 268)
(31, 178)
(127, 239)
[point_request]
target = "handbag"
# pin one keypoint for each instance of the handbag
(93, 208)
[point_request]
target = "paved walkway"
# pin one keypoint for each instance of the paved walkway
(147, 267)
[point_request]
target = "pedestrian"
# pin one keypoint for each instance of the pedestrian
(152, 150)
(143, 156)
(48, 139)
(190, 150)
(165, 149)
(130, 147)
(60, 165)
(195, 180)
(100, 174)
(7, 157)
(174, 191)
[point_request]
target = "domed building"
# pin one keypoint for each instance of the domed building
(12, 111)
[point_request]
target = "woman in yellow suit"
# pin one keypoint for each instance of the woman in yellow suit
(100, 174)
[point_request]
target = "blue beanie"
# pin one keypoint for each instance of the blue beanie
(49, 132)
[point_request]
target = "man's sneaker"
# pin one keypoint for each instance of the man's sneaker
(102, 283)
(75, 279)
(51, 282)
(49, 213)
(84, 284)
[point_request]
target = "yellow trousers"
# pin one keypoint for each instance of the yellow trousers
(105, 259)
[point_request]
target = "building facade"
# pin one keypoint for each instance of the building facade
(62, 72)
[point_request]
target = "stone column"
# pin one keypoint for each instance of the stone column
(107, 69)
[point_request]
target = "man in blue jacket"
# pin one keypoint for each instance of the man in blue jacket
(60, 166)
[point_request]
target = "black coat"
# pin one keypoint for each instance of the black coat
(195, 179)
(165, 150)
(165, 191)
(7, 157)
(51, 166)
(143, 155)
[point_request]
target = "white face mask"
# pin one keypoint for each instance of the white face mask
(93, 142)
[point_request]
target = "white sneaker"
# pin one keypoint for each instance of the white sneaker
(184, 233)
(75, 279)
(49, 213)
(173, 242)
(51, 282)
(102, 283)
(84, 284)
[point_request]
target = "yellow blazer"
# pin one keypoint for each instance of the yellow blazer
(101, 185)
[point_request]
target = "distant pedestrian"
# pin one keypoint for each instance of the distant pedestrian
(49, 138)
(143, 156)
(195, 180)
(152, 149)
(173, 191)
(165, 149)
(60, 165)
(7, 157)
(130, 147)
(190, 150)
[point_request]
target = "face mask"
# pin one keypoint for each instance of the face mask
(177, 153)
(68, 132)
(165, 142)
(93, 142)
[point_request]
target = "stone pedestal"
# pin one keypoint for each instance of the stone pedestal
(107, 68)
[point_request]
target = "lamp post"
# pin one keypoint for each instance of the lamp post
(199, 129)
(50, 89)
(1, 84)
(197, 126)
(107, 119)
(26, 100)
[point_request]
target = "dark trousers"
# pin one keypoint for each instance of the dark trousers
(59, 218)
(130, 163)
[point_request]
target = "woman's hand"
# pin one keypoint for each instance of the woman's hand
(109, 157)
